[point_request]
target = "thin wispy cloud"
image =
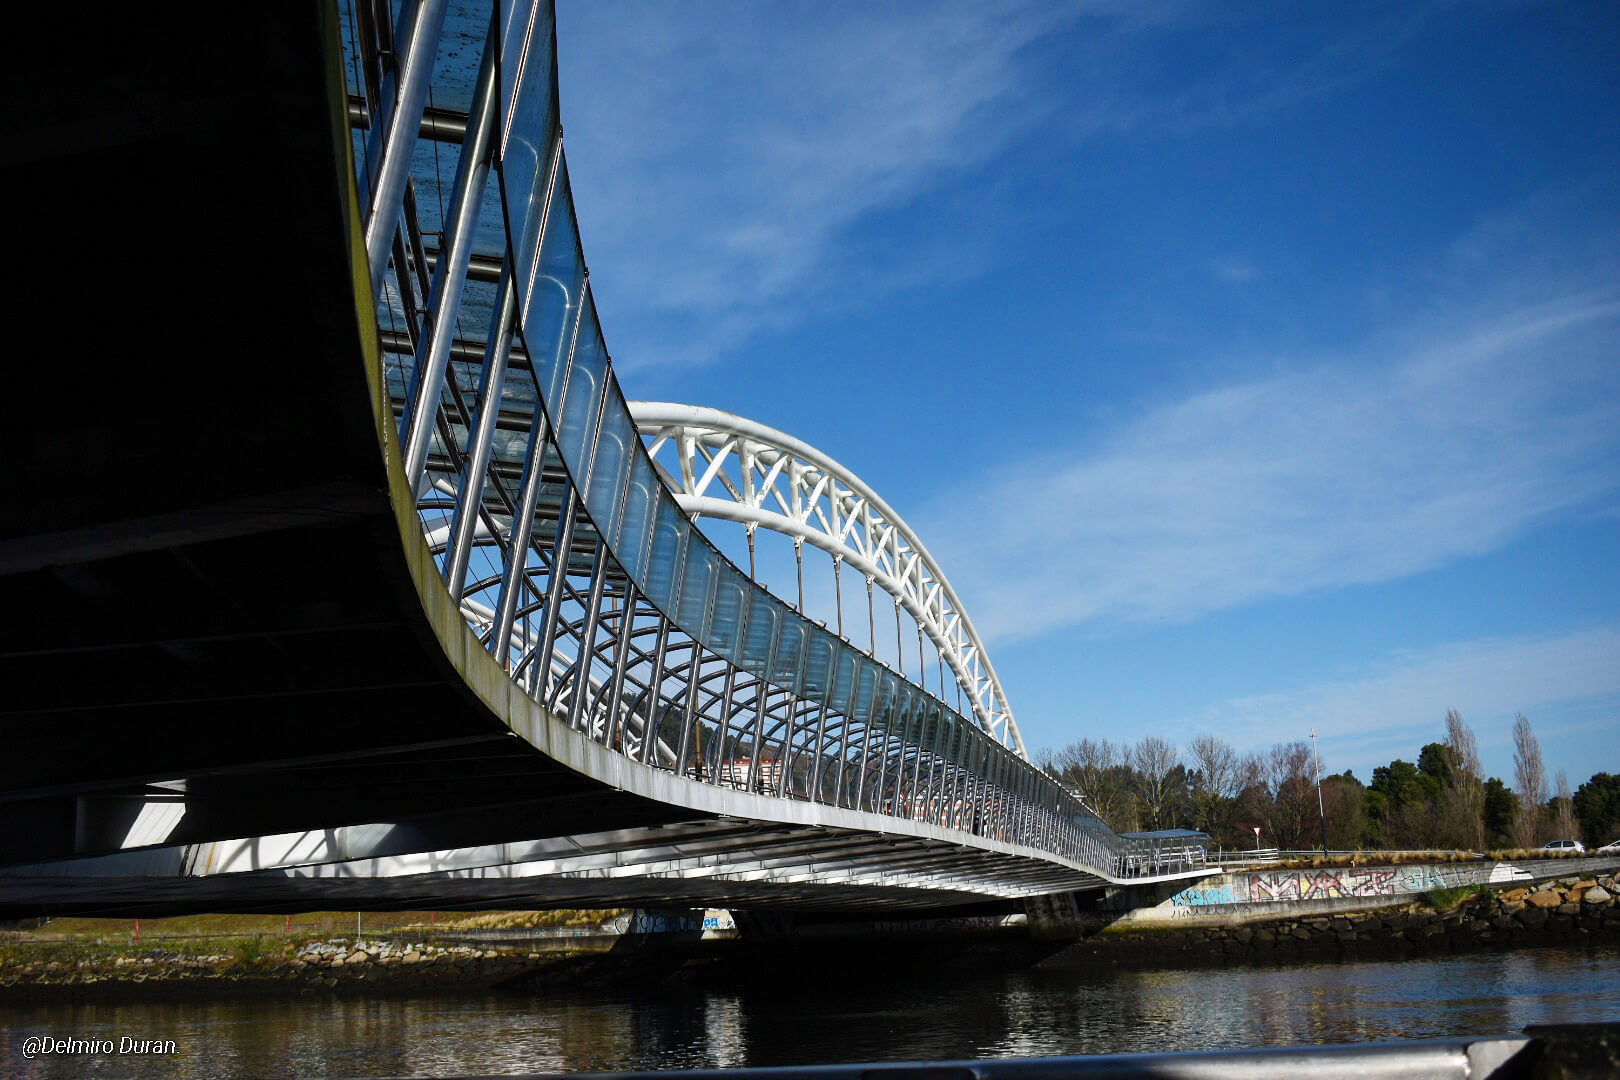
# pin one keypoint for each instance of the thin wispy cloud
(725, 158)
(1443, 439)
(1397, 705)
(720, 162)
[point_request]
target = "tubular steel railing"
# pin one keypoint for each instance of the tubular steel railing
(565, 551)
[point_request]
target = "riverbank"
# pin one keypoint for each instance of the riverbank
(1568, 912)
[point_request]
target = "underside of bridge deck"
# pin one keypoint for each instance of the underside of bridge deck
(234, 678)
(201, 572)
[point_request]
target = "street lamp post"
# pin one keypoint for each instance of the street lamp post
(1321, 812)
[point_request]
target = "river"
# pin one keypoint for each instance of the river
(1044, 1011)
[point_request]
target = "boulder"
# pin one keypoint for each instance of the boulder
(1547, 898)
(1597, 894)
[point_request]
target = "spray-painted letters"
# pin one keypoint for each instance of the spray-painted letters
(1328, 884)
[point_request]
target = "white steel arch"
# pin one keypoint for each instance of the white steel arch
(790, 487)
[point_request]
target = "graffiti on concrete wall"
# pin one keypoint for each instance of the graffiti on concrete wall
(1323, 884)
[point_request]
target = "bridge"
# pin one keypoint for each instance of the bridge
(341, 572)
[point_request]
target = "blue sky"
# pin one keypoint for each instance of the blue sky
(1248, 368)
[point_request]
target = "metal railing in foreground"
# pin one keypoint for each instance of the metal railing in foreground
(1558, 1050)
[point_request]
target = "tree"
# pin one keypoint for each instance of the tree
(1529, 783)
(1213, 784)
(1501, 813)
(1462, 816)
(1092, 767)
(1597, 806)
(1293, 794)
(1399, 797)
(1561, 811)
(1152, 761)
(1345, 800)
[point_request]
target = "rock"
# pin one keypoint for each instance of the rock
(412, 957)
(1514, 895)
(1597, 894)
(1341, 925)
(1513, 905)
(1548, 898)
(1532, 917)
(1571, 908)
(359, 956)
(1242, 934)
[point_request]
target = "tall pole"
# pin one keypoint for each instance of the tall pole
(1320, 811)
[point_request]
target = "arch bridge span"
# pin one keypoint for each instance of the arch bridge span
(788, 486)
(487, 658)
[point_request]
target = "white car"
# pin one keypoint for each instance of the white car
(1565, 845)
(1611, 846)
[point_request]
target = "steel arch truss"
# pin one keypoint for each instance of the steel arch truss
(790, 487)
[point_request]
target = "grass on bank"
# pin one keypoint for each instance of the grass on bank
(266, 933)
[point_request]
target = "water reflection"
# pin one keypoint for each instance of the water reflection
(1041, 1012)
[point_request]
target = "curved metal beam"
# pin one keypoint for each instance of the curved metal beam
(790, 487)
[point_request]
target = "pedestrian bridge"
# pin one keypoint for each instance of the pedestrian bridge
(368, 587)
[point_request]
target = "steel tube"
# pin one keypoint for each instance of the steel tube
(449, 275)
(392, 147)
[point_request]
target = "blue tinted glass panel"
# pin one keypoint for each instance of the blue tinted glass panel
(844, 680)
(789, 652)
(636, 517)
(694, 613)
(549, 299)
(889, 689)
(763, 615)
(669, 534)
(582, 396)
(818, 667)
(527, 121)
(729, 607)
(609, 465)
(863, 696)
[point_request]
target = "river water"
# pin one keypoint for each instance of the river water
(1044, 1011)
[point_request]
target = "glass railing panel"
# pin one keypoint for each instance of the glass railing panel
(548, 302)
(582, 395)
(730, 606)
(696, 583)
(635, 523)
(609, 466)
(763, 616)
(668, 549)
(789, 656)
(527, 123)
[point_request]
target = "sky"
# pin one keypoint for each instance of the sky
(1248, 368)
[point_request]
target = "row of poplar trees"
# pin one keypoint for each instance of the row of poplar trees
(1443, 801)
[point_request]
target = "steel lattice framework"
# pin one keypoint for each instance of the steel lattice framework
(790, 487)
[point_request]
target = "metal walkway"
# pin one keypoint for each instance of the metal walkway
(609, 710)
